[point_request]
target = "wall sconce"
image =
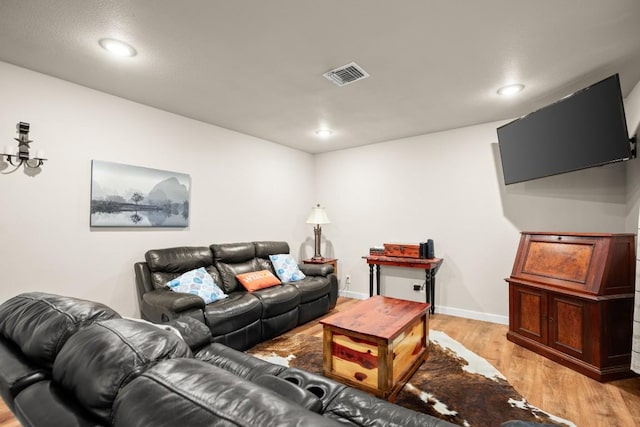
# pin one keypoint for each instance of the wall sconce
(318, 216)
(21, 156)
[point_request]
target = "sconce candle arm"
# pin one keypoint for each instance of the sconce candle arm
(22, 157)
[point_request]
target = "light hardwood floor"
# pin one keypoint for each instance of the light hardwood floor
(543, 383)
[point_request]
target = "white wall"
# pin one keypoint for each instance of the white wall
(632, 111)
(445, 186)
(448, 186)
(243, 188)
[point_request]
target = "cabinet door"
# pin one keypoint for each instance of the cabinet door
(528, 312)
(568, 325)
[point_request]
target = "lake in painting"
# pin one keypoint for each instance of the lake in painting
(133, 196)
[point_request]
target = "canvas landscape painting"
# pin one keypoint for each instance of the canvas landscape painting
(132, 196)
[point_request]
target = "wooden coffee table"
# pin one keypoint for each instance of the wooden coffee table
(377, 344)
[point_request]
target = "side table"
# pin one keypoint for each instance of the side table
(331, 261)
(429, 265)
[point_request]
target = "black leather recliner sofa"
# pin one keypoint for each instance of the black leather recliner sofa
(244, 318)
(69, 362)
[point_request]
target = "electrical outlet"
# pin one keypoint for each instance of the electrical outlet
(347, 279)
(416, 287)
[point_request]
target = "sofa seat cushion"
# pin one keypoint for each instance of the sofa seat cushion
(47, 404)
(16, 372)
(235, 312)
(312, 287)
(278, 300)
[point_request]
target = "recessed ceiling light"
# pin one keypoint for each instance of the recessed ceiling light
(117, 47)
(324, 133)
(510, 89)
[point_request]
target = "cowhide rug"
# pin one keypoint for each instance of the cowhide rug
(454, 384)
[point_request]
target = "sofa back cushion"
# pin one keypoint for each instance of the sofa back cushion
(168, 264)
(99, 360)
(189, 392)
(232, 259)
(40, 323)
(266, 248)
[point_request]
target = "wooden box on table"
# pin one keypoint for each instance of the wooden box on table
(401, 250)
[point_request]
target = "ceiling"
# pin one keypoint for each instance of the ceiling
(256, 66)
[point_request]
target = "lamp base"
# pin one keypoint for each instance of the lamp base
(317, 232)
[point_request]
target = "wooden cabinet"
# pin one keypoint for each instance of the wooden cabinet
(571, 300)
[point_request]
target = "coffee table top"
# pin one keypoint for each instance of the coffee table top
(378, 316)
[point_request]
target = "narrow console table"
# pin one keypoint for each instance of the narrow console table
(429, 265)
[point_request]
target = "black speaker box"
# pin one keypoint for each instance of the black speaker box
(430, 253)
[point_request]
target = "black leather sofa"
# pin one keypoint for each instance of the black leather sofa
(244, 318)
(68, 362)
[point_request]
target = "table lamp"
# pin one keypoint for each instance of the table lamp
(318, 216)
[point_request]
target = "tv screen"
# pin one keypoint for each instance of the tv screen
(585, 129)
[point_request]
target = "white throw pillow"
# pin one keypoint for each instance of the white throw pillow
(286, 268)
(198, 282)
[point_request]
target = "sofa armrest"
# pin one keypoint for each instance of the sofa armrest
(316, 269)
(290, 392)
(195, 333)
(163, 305)
(16, 372)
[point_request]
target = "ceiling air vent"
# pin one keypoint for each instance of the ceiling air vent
(346, 74)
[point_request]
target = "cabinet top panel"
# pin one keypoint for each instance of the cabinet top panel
(570, 233)
(592, 263)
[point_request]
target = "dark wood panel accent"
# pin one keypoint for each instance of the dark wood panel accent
(530, 313)
(568, 322)
(562, 261)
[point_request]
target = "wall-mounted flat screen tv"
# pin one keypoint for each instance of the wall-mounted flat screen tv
(585, 129)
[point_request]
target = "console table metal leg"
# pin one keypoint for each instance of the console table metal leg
(378, 279)
(427, 288)
(431, 289)
(370, 280)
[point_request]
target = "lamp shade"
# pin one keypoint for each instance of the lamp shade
(318, 216)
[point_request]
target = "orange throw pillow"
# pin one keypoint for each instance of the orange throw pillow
(258, 280)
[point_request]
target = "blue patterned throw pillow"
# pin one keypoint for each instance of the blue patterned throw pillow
(198, 282)
(286, 268)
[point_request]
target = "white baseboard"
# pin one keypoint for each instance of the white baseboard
(475, 315)
(350, 294)
(451, 311)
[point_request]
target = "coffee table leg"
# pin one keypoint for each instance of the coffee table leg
(327, 355)
(378, 279)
